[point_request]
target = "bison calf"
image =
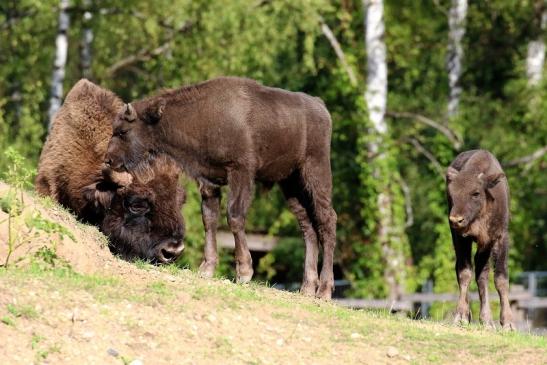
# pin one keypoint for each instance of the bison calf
(140, 213)
(233, 131)
(478, 201)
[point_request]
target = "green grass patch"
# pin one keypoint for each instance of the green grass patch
(24, 311)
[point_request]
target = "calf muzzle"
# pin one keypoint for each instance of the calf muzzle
(457, 221)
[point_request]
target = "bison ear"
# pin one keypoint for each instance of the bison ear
(451, 174)
(493, 179)
(129, 113)
(154, 112)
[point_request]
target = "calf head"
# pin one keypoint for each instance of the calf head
(133, 135)
(144, 218)
(468, 194)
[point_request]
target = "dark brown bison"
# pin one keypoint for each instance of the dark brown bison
(233, 131)
(140, 212)
(478, 201)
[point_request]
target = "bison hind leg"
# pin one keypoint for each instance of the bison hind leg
(240, 184)
(299, 202)
(317, 180)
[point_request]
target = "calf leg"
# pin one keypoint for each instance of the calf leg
(240, 183)
(210, 210)
(464, 272)
(501, 281)
(297, 202)
(317, 179)
(482, 271)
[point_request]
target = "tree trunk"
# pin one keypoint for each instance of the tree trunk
(536, 53)
(456, 25)
(376, 99)
(61, 49)
(87, 39)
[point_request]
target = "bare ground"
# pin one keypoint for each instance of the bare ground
(87, 307)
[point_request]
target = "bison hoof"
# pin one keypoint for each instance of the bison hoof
(488, 324)
(244, 279)
(308, 288)
(244, 272)
(462, 319)
(324, 292)
(508, 326)
(206, 270)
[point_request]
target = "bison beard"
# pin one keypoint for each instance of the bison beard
(233, 131)
(139, 212)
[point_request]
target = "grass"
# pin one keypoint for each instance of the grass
(221, 306)
(24, 311)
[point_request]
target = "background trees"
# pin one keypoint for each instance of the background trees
(135, 47)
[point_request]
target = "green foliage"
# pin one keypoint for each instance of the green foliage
(24, 223)
(140, 46)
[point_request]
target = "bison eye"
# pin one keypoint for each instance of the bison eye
(120, 133)
(476, 194)
(137, 206)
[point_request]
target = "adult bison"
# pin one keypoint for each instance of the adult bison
(478, 201)
(233, 131)
(139, 212)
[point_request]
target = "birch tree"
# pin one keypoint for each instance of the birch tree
(61, 50)
(376, 99)
(87, 39)
(456, 26)
(536, 53)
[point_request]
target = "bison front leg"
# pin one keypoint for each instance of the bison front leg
(240, 184)
(501, 280)
(464, 273)
(482, 271)
(210, 210)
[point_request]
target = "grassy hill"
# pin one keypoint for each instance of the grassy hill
(64, 300)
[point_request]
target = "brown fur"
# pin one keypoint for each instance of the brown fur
(233, 131)
(478, 200)
(71, 171)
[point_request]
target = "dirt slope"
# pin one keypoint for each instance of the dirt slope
(87, 307)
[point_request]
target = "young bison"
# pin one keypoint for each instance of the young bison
(141, 212)
(478, 201)
(233, 131)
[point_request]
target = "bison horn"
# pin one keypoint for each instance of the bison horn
(130, 113)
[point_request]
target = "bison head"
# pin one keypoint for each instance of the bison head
(132, 140)
(468, 192)
(144, 218)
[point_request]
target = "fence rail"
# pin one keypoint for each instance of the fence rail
(523, 296)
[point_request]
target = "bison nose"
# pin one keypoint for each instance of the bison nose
(457, 220)
(169, 250)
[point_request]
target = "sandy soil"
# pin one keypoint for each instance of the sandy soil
(93, 308)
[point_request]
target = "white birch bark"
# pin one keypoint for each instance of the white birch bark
(456, 25)
(376, 99)
(61, 50)
(87, 39)
(376, 92)
(536, 54)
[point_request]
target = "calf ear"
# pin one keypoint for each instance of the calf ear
(129, 113)
(493, 179)
(451, 174)
(153, 113)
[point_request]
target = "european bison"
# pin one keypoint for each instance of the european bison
(233, 131)
(478, 201)
(141, 213)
